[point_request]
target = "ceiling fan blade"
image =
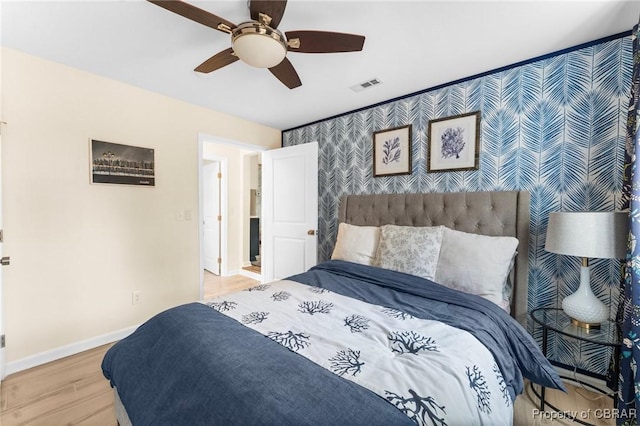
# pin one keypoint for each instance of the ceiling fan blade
(285, 72)
(195, 14)
(217, 61)
(273, 8)
(323, 42)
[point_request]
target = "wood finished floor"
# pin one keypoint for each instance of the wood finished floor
(72, 391)
(215, 285)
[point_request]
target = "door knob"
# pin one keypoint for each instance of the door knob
(311, 232)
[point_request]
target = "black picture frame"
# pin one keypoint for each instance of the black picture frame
(113, 163)
(392, 153)
(454, 143)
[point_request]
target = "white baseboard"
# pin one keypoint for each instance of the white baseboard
(67, 350)
(249, 274)
(244, 273)
(230, 273)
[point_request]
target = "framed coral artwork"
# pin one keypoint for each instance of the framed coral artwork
(392, 151)
(454, 143)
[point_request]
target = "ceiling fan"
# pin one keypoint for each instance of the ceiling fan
(259, 43)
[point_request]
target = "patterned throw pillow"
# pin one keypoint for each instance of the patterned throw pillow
(409, 249)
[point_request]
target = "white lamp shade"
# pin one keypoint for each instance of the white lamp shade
(588, 234)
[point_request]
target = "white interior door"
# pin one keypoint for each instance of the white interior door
(212, 214)
(289, 210)
(2, 370)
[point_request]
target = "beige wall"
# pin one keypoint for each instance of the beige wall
(79, 250)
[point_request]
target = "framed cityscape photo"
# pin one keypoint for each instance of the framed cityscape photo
(122, 164)
(454, 143)
(392, 152)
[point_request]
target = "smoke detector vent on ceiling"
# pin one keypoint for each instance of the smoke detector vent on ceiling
(366, 85)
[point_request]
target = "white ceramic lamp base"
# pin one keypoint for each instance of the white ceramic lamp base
(583, 306)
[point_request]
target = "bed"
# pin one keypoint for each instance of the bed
(361, 339)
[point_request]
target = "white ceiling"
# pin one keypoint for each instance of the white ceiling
(410, 46)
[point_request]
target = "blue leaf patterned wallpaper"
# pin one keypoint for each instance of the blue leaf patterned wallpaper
(554, 127)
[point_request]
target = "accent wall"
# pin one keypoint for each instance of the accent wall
(554, 126)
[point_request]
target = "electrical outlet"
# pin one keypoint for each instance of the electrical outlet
(136, 297)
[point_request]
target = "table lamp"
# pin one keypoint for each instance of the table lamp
(587, 235)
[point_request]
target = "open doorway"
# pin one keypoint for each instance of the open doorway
(229, 209)
(253, 187)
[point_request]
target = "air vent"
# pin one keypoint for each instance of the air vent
(366, 85)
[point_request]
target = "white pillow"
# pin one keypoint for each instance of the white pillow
(356, 244)
(410, 249)
(476, 264)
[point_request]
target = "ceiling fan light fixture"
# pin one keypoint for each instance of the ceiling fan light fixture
(258, 45)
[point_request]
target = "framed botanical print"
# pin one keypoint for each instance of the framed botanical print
(392, 151)
(454, 143)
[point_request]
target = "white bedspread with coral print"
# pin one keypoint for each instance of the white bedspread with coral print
(434, 373)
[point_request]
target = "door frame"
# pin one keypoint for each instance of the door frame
(2, 349)
(202, 139)
(2, 301)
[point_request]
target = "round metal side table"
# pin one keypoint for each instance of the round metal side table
(554, 319)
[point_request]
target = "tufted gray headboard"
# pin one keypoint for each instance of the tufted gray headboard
(499, 213)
